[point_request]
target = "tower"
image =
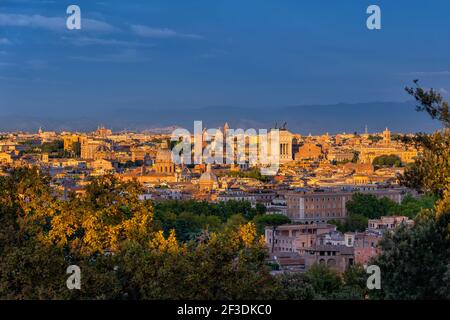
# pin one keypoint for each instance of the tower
(285, 140)
(387, 136)
(226, 147)
(226, 127)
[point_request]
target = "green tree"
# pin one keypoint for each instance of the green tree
(431, 170)
(296, 286)
(31, 270)
(432, 102)
(362, 207)
(260, 209)
(369, 206)
(26, 201)
(223, 210)
(415, 262)
(355, 158)
(387, 161)
(236, 221)
(355, 282)
(411, 206)
(191, 218)
(324, 280)
(430, 173)
(110, 234)
(109, 213)
(226, 265)
(352, 223)
(375, 138)
(254, 173)
(56, 146)
(28, 268)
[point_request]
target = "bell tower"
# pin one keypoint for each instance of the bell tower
(387, 136)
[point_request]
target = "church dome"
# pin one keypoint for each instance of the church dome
(164, 155)
(208, 176)
(208, 180)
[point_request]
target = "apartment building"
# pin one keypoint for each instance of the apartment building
(389, 223)
(322, 206)
(295, 237)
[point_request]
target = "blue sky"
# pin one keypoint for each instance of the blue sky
(168, 54)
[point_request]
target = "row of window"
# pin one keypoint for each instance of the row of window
(318, 215)
(323, 199)
(329, 206)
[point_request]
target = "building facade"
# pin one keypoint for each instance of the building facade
(321, 207)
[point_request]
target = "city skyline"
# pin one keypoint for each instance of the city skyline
(139, 60)
(316, 119)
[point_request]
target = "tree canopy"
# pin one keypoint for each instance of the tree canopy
(387, 161)
(369, 206)
(112, 236)
(431, 170)
(415, 262)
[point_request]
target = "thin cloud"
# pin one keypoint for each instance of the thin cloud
(124, 56)
(89, 41)
(36, 64)
(97, 26)
(430, 73)
(57, 24)
(33, 1)
(4, 41)
(3, 78)
(6, 65)
(149, 32)
(215, 53)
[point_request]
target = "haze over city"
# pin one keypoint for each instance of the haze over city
(137, 65)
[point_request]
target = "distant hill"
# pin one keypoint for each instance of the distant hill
(304, 119)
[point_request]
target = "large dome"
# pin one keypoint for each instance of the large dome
(164, 155)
